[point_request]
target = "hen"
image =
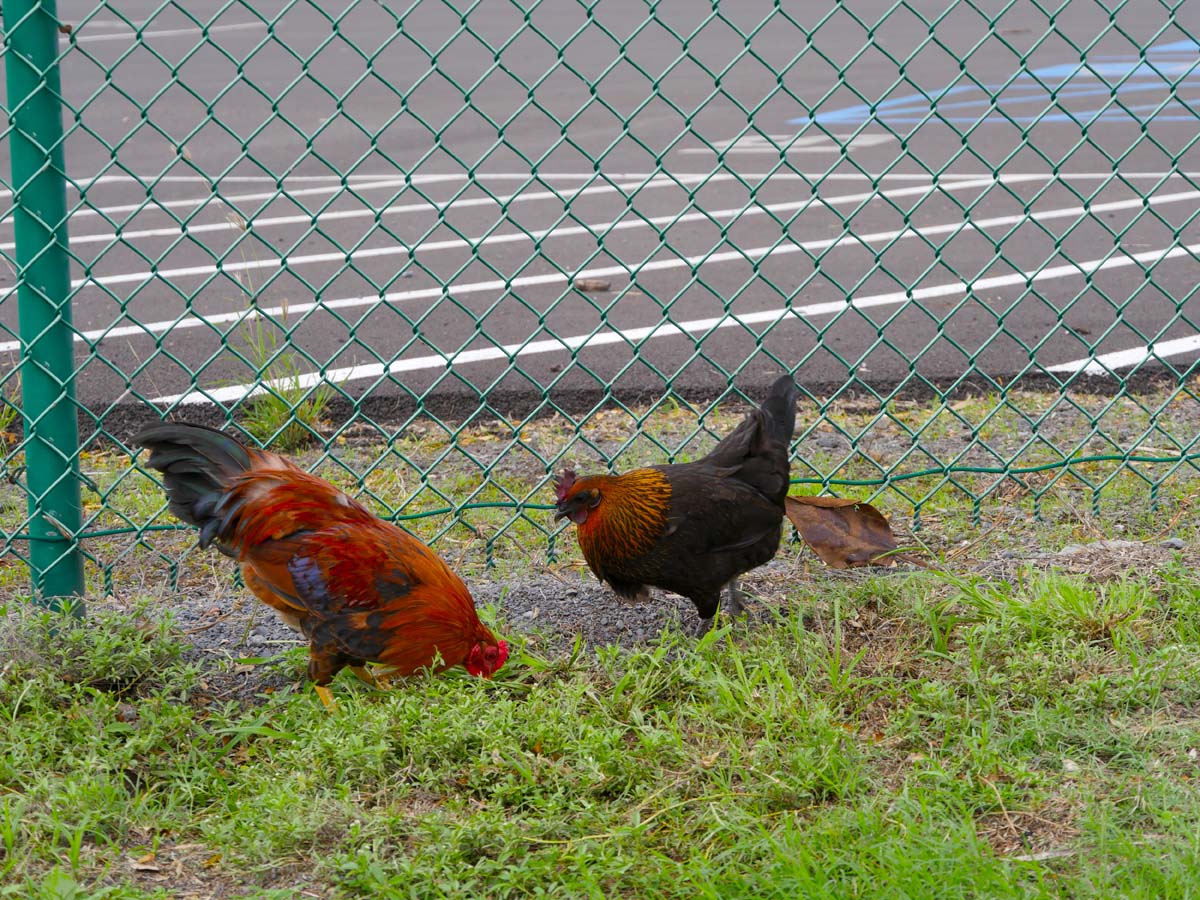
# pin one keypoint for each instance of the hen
(691, 528)
(361, 589)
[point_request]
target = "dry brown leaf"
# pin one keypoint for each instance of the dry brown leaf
(145, 863)
(592, 284)
(844, 533)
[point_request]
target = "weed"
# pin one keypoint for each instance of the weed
(286, 412)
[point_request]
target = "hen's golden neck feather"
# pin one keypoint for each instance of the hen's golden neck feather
(631, 515)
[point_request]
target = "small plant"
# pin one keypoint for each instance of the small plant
(287, 412)
(10, 407)
(116, 651)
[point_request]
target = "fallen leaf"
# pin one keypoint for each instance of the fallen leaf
(592, 284)
(844, 533)
(145, 863)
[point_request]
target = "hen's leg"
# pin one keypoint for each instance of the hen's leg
(734, 596)
(706, 606)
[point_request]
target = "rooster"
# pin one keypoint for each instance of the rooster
(691, 528)
(359, 588)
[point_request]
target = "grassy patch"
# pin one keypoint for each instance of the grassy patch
(287, 414)
(898, 735)
(477, 491)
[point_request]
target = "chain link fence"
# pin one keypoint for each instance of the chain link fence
(399, 238)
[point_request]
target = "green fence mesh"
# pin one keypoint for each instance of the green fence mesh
(455, 244)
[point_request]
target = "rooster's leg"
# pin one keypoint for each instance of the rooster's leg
(379, 678)
(365, 675)
(384, 676)
(324, 662)
(326, 696)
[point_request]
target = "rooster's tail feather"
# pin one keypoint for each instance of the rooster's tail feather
(198, 465)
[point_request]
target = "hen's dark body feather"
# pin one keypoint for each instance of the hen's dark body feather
(702, 523)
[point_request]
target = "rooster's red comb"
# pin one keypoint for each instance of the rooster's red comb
(563, 486)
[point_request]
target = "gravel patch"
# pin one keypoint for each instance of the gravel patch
(243, 648)
(550, 611)
(245, 651)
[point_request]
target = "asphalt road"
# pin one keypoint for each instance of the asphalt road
(413, 194)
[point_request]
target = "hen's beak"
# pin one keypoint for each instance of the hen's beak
(561, 512)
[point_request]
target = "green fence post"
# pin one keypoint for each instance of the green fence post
(43, 300)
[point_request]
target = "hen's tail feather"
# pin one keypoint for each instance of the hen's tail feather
(198, 464)
(780, 407)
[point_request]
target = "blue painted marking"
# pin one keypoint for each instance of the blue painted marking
(1171, 72)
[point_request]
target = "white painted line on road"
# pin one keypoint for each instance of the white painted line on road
(602, 229)
(427, 206)
(1105, 363)
(331, 182)
(151, 206)
(376, 182)
(790, 143)
(142, 181)
(293, 262)
(638, 223)
(418, 177)
(387, 180)
(341, 215)
(130, 34)
(578, 342)
(296, 309)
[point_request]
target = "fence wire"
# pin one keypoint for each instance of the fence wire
(400, 239)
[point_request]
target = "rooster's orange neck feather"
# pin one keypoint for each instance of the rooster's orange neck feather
(631, 516)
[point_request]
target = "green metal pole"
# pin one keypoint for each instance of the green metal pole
(43, 300)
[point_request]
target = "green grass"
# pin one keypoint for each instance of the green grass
(474, 491)
(1015, 732)
(287, 415)
(895, 735)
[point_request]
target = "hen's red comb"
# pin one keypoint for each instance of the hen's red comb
(563, 486)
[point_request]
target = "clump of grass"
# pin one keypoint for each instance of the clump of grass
(10, 404)
(287, 413)
(116, 651)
